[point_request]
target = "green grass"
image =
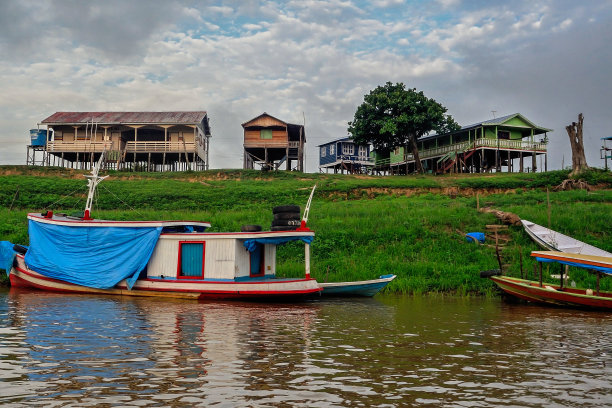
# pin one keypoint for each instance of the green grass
(366, 226)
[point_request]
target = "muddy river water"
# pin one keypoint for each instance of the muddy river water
(390, 351)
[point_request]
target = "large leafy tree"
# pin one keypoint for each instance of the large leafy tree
(393, 116)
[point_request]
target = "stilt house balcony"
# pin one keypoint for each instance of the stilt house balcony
(84, 146)
(516, 145)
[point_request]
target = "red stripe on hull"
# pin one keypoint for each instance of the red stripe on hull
(531, 291)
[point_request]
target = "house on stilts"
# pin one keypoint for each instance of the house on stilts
(345, 155)
(145, 141)
(509, 143)
(270, 142)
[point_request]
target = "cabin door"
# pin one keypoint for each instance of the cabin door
(191, 260)
(257, 261)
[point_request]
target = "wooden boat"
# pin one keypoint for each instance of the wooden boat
(156, 258)
(558, 295)
(356, 288)
(555, 241)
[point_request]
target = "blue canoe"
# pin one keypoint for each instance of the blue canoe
(356, 288)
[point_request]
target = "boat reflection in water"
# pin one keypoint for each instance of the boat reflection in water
(87, 350)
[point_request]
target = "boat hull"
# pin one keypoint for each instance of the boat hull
(367, 288)
(551, 295)
(264, 289)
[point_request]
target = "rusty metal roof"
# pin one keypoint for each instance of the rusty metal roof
(112, 118)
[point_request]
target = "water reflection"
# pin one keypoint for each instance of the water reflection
(392, 351)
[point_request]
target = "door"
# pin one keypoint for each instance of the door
(257, 261)
(191, 260)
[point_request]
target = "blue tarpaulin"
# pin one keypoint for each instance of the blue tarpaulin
(577, 264)
(251, 244)
(96, 257)
(475, 236)
(7, 255)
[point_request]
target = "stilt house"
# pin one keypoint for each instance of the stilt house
(269, 142)
(147, 141)
(344, 155)
(511, 142)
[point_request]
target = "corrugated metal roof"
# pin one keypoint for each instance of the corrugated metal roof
(343, 139)
(101, 118)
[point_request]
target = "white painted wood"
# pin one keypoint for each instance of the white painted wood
(164, 261)
(220, 259)
(553, 240)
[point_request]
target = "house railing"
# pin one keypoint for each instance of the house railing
(131, 147)
(478, 143)
(356, 159)
(159, 147)
(80, 146)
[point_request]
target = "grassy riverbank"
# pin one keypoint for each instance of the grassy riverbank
(366, 226)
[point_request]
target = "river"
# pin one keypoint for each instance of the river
(389, 351)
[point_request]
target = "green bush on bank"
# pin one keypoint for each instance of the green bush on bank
(366, 226)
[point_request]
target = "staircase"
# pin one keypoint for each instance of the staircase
(450, 159)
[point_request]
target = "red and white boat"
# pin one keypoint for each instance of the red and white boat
(156, 258)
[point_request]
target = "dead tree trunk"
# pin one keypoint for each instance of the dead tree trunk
(574, 131)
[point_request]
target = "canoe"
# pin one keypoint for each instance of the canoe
(356, 288)
(555, 241)
(559, 295)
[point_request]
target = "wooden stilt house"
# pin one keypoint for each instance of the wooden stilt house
(269, 142)
(146, 141)
(511, 143)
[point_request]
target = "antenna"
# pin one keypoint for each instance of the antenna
(493, 112)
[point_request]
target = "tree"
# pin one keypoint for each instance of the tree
(393, 116)
(574, 131)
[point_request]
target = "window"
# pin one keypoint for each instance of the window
(363, 151)
(323, 151)
(503, 134)
(58, 135)
(332, 150)
(348, 148)
(265, 134)
(191, 260)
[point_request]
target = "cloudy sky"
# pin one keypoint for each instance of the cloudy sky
(305, 60)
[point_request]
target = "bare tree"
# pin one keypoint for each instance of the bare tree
(574, 132)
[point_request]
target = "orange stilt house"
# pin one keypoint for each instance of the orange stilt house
(269, 142)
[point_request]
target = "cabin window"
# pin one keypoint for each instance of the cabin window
(332, 149)
(503, 134)
(363, 151)
(191, 260)
(265, 134)
(348, 148)
(323, 151)
(257, 261)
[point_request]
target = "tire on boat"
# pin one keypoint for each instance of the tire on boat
(287, 216)
(20, 249)
(250, 228)
(489, 273)
(285, 223)
(286, 209)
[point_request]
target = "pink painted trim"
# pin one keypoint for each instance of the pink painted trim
(178, 268)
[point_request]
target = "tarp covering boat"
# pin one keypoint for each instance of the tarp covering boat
(251, 244)
(96, 257)
(7, 255)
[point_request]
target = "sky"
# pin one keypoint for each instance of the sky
(306, 62)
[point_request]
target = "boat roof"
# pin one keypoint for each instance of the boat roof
(67, 220)
(600, 263)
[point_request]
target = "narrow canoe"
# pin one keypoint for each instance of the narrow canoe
(555, 241)
(356, 288)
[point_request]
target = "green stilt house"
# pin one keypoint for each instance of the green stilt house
(509, 143)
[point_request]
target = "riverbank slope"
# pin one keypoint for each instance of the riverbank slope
(366, 226)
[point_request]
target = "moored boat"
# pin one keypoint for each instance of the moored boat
(367, 288)
(559, 295)
(157, 258)
(555, 241)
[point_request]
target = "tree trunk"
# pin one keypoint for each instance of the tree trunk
(574, 131)
(415, 153)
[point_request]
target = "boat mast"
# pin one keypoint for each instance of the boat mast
(92, 182)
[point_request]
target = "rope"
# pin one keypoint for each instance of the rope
(67, 195)
(129, 206)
